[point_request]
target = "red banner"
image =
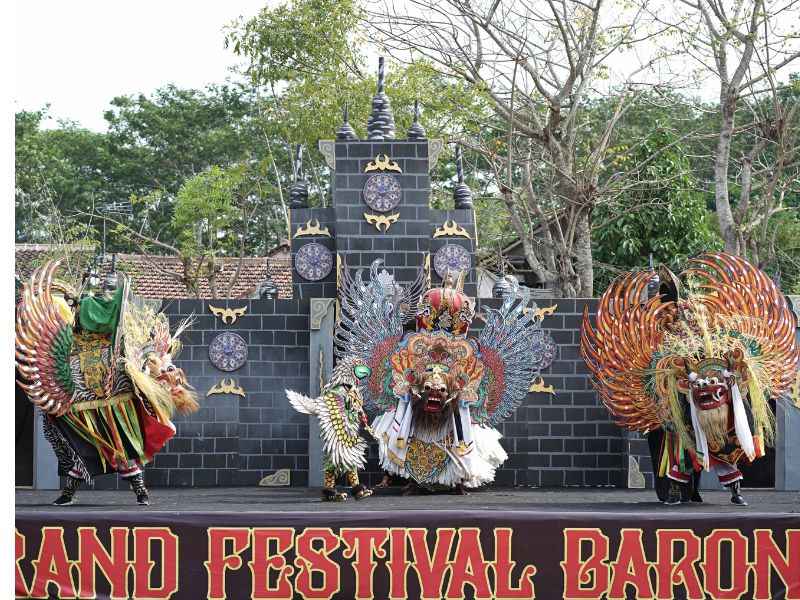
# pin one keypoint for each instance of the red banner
(418, 554)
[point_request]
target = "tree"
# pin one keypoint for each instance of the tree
(538, 62)
(305, 62)
(158, 142)
(743, 46)
(216, 213)
(665, 217)
(154, 144)
(58, 171)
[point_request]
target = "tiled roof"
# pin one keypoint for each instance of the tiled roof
(159, 276)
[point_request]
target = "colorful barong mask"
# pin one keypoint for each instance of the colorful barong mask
(435, 369)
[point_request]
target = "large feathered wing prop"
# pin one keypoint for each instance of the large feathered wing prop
(342, 444)
(44, 343)
(514, 350)
(370, 327)
(620, 350)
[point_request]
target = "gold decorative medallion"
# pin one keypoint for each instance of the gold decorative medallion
(453, 229)
(228, 315)
(382, 164)
(539, 386)
(384, 221)
(312, 227)
(226, 386)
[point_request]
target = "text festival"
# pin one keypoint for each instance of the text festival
(446, 563)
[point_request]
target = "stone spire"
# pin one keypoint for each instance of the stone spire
(416, 131)
(298, 192)
(380, 125)
(346, 131)
(461, 193)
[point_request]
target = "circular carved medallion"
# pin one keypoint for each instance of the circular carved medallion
(382, 192)
(228, 351)
(313, 261)
(453, 258)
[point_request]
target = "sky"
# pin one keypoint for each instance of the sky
(77, 55)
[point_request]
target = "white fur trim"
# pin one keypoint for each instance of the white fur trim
(700, 441)
(741, 424)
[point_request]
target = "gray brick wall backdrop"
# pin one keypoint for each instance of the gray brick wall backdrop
(565, 439)
(234, 440)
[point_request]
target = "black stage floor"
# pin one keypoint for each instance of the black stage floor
(272, 500)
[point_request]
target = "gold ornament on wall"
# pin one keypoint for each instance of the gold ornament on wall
(451, 228)
(382, 164)
(312, 227)
(384, 221)
(541, 313)
(539, 386)
(228, 315)
(226, 386)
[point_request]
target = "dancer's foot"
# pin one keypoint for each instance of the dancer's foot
(385, 482)
(460, 490)
(736, 497)
(674, 495)
(331, 495)
(137, 485)
(63, 500)
(67, 496)
(360, 492)
(412, 489)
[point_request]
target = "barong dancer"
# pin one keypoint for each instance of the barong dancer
(437, 393)
(100, 369)
(698, 362)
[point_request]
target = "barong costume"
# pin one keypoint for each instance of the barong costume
(695, 365)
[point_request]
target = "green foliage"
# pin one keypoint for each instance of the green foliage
(304, 58)
(57, 170)
(205, 210)
(784, 264)
(662, 215)
(297, 41)
(207, 171)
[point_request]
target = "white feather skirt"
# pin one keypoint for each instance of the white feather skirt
(473, 470)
